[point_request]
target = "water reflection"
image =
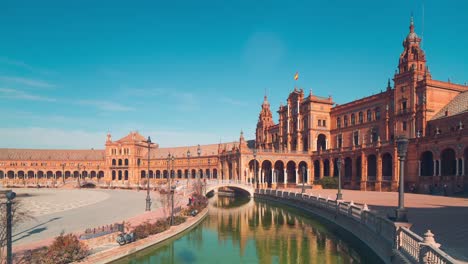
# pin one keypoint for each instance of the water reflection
(239, 230)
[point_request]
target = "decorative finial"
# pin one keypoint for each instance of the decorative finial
(389, 87)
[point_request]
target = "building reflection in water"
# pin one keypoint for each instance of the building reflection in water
(240, 230)
(279, 235)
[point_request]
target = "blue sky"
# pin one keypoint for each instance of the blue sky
(189, 72)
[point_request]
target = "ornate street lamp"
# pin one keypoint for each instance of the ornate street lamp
(188, 173)
(255, 167)
(199, 153)
(10, 196)
(79, 175)
(339, 195)
(172, 170)
(172, 210)
(168, 169)
(402, 148)
(63, 172)
(209, 169)
(148, 198)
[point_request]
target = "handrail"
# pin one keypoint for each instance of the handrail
(412, 246)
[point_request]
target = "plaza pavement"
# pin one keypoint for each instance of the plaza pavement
(74, 210)
(446, 217)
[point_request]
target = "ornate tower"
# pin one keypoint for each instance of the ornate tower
(265, 121)
(411, 69)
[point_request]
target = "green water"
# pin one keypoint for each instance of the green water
(240, 230)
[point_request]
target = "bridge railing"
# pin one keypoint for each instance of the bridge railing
(413, 247)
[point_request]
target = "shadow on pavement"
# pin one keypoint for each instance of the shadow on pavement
(33, 230)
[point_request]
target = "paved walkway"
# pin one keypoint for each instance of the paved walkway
(74, 210)
(446, 217)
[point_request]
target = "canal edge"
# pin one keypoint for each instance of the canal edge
(139, 245)
(380, 250)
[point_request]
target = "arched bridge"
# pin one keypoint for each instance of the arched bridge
(214, 185)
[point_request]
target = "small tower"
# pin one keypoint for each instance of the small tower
(265, 121)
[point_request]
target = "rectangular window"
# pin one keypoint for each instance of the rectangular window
(324, 123)
(319, 122)
(404, 125)
(403, 105)
(356, 138)
(340, 141)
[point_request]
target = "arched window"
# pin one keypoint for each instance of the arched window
(369, 115)
(120, 162)
(361, 118)
(353, 119)
(126, 162)
(345, 121)
(377, 113)
(338, 122)
(113, 162)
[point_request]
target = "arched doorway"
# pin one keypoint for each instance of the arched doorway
(335, 167)
(303, 175)
(321, 142)
(466, 161)
(279, 170)
(316, 170)
(215, 174)
(291, 170)
(371, 167)
(266, 172)
(348, 167)
(358, 168)
(326, 168)
(254, 168)
(387, 166)
(449, 163)
(427, 164)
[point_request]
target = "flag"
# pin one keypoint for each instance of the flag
(296, 76)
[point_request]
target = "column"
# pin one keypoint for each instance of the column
(308, 176)
(297, 177)
(285, 177)
(378, 183)
(463, 167)
(332, 167)
(435, 167)
(419, 168)
(273, 180)
(321, 168)
(440, 167)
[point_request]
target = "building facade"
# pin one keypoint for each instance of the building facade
(312, 135)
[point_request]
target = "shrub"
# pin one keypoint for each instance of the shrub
(147, 229)
(199, 203)
(177, 219)
(64, 249)
(329, 182)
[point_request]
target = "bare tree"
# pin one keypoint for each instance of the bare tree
(18, 215)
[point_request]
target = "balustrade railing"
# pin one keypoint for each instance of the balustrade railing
(413, 247)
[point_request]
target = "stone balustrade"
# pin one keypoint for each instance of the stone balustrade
(392, 242)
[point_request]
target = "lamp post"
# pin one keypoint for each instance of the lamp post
(188, 173)
(402, 147)
(255, 167)
(172, 210)
(172, 170)
(169, 169)
(199, 153)
(79, 175)
(63, 171)
(303, 173)
(209, 169)
(339, 195)
(148, 198)
(10, 196)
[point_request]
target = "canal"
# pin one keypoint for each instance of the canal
(241, 230)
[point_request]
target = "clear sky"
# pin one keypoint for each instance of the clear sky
(189, 72)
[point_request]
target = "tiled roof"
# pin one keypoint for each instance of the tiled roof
(458, 105)
(51, 154)
(132, 137)
(211, 149)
